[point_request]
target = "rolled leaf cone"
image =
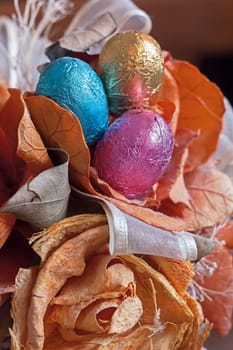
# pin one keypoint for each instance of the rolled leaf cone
(80, 297)
(129, 235)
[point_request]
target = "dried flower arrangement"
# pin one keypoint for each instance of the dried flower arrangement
(111, 276)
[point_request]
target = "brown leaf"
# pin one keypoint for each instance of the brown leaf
(201, 109)
(60, 128)
(211, 194)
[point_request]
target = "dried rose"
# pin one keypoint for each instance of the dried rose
(80, 297)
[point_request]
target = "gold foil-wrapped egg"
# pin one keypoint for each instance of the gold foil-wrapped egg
(131, 67)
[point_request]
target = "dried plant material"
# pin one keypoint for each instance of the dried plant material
(43, 200)
(211, 193)
(45, 242)
(27, 154)
(11, 261)
(81, 40)
(225, 233)
(172, 185)
(201, 109)
(25, 37)
(23, 285)
(213, 285)
(22, 153)
(178, 273)
(82, 298)
(60, 128)
(169, 94)
(97, 21)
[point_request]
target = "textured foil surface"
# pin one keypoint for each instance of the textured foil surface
(131, 67)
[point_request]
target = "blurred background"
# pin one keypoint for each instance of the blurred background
(200, 31)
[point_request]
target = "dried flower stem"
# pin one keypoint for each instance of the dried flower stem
(32, 26)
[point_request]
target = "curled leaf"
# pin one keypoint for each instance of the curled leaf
(22, 153)
(59, 128)
(43, 200)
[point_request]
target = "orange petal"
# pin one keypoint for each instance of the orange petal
(201, 109)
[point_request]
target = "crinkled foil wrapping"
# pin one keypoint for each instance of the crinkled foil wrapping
(131, 67)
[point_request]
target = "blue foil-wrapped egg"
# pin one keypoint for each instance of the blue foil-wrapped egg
(75, 86)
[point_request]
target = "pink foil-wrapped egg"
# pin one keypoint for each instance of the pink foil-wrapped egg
(134, 152)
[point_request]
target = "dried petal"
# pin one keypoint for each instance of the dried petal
(60, 128)
(201, 109)
(88, 300)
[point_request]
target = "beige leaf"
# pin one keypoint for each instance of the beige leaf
(43, 200)
(126, 316)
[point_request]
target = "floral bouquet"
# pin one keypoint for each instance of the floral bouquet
(116, 186)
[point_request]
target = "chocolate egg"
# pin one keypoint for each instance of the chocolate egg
(74, 85)
(131, 67)
(134, 152)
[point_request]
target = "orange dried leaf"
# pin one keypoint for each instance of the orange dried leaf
(169, 98)
(22, 153)
(201, 109)
(7, 221)
(172, 185)
(226, 234)
(214, 277)
(60, 128)
(211, 193)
